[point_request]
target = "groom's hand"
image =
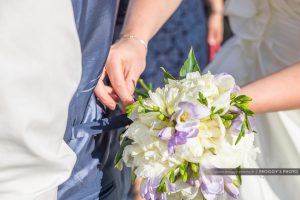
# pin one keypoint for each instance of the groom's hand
(125, 63)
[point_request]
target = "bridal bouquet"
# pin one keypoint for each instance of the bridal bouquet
(182, 130)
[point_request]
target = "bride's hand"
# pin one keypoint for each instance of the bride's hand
(125, 63)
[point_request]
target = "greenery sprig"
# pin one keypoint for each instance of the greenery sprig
(184, 171)
(202, 99)
(242, 103)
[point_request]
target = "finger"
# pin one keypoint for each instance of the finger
(103, 94)
(111, 93)
(117, 80)
(131, 81)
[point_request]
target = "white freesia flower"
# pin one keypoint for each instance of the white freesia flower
(150, 170)
(165, 99)
(191, 151)
(141, 134)
(129, 154)
(186, 190)
(151, 121)
(212, 133)
(231, 155)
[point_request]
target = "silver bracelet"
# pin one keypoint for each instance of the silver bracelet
(133, 37)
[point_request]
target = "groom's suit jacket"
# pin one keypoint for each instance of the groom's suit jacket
(94, 175)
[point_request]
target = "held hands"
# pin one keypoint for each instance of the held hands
(125, 63)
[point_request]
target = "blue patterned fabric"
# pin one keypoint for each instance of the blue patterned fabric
(185, 29)
(94, 175)
(169, 48)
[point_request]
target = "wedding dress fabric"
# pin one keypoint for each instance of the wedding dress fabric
(40, 66)
(266, 40)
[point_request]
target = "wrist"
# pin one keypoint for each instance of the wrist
(217, 12)
(137, 33)
(136, 39)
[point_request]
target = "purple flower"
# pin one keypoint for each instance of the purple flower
(212, 185)
(226, 81)
(236, 89)
(148, 189)
(189, 113)
(176, 137)
(232, 190)
(180, 138)
(186, 118)
(166, 133)
(236, 125)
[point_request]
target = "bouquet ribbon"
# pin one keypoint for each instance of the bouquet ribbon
(102, 125)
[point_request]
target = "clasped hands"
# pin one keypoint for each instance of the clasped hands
(125, 63)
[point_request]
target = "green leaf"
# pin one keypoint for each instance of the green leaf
(172, 177)
(185, 177)
(243, 98)
(212, 109)
(144, 85)
(227, 116)
(142, 93)
(119, 165)
(119, 155)
(162, 184)
(195, 167)
(236, 182)
(242, 134)
(212, 150)
(247, 122)
(150, 86)
(190, 65)
(238, 175)
(181, 170)
(167, 76)
(248, 112)
(220, 111)
(227, 123)
(202, 99)
(243, 129)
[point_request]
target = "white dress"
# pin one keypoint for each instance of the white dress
(40, 67)
(267, 39)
